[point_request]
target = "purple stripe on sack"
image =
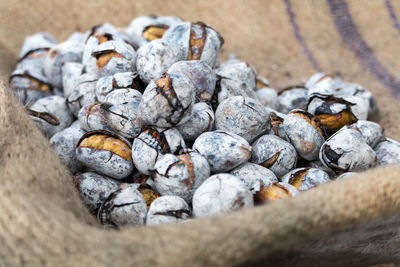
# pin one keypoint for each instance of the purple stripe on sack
(299, 37)
(393, 15)
(353, 39)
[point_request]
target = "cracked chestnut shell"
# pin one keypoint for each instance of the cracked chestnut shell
(168, 209)
(201, 74)
(273, 192)
(94, 189)
(83, 94)
(106, 153)
(148, 28)
(333, 112)
(155, 58)
(254, 176)
(151, 144)
(235, 78)
(243, 116)
(51, 114)
(202, 120)
(274, 153)
(117, 114)
(121, 80)
(113, 57)
(221, 193)
(305, 178)
(124, 207)
(304, 132)
(196, 41)
(180, 175)
(293, 97)
(223, 150)
(167, 102)
(28, 86)
(57, 56)
(347, 151)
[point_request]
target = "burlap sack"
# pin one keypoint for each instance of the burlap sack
(348, 222)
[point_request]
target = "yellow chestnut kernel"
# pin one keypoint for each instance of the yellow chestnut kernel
(269, 162)
(297, 178)
(104, 58)
(197, 40)
(153, 32)
(105, 142)
(336, 121)
(272, 192)
(149, 194)
(164, 82)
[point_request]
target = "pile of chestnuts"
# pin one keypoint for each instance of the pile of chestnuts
(156, 130)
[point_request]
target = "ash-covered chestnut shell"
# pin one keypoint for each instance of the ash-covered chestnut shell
(33, 53)
(71, 71)
(106, 153)
(268, 97)
(223, 150)
(98, 35)
(345, 175)
(388, 152)
(94, 189)
(304, 132)
(293, 97)
(57, 57)
(236, 78)
(322, 83)
(167, 102)
(371, 131)
(117, 114)
(34, 42)
(196, 41)
(122, 80)
(122, 106)
(29, 87)
(202, 120)
(221, 193)
(274, 153)
(124, 207)
(151, 144)
(113, 57)
(155, 58)
(83, 94)
(149, 28)
(254, 176)
(180, 175)
(33, 62)
(347, 151)
(168, 209)
(64, 143)
(92, 117)
(242, 116)
(313, 79)
(360, 107)
(201, 74)
(51, 114)
(353, 89)
(305, 178)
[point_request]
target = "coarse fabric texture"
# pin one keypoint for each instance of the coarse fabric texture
(349, 222)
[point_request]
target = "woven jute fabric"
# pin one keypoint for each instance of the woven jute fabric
(349, 222)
